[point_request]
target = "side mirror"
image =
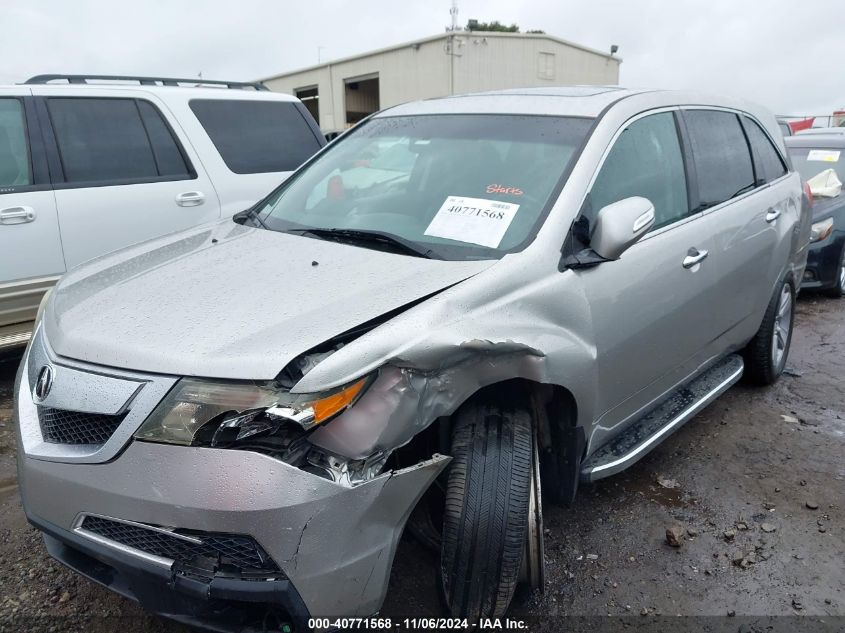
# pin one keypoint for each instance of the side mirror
(621, 225)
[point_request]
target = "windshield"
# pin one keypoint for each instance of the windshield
(811, 161)
(447, 186)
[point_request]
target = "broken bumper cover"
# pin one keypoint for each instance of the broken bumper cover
(334, 543)
(221, 604)
(824, 260)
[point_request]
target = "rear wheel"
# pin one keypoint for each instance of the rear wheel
(839, 289)
(486, 515)
(765, 356)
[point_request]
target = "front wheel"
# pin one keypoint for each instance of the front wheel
(486, 516)
(765, 356)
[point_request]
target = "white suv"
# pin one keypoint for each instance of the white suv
(90, 164)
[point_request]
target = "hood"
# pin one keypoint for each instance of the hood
(230, 301)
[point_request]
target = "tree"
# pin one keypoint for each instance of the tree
(495, 25)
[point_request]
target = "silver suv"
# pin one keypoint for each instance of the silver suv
(485, 292)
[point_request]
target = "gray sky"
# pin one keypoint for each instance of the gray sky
(785, 55)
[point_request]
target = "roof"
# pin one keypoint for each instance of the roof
(442, 36)
(586, 101)
(577, 101)
(176, 92)
(144, 81)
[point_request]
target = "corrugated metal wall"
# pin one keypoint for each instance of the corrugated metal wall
(493, 63)
(481, 61)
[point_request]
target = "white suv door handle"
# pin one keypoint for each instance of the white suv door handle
(694, 256)
(190, 199)
(17, 215)
(772, 215)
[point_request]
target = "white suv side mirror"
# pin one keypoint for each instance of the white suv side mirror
(620, 225)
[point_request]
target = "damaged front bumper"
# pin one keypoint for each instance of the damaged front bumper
(333, 544)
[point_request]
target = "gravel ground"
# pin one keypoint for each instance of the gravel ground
(753, 488)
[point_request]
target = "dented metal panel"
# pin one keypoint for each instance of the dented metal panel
(304, 291)
(336, 543)
(443, 361)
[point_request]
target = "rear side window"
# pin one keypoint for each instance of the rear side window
(722, 159)
(114, 141)
(769, 164)
(168, 155)
(256, 137)
(645, 161)
(14, 152)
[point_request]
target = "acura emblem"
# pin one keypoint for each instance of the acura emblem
(44, 382)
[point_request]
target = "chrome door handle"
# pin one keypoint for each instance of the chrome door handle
(772, 215)
(694, 256)
(17, 215)
(190, 199)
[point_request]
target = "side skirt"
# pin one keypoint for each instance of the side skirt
(654, 427)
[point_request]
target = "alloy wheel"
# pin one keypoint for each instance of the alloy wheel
(783, 321)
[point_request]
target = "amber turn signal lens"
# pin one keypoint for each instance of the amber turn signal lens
(326, 407)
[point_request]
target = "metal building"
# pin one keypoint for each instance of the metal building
(342, 92)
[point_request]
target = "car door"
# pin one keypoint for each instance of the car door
(120, 172)
(779, 206)
(30, 248)
(651, 309)
(749, 217)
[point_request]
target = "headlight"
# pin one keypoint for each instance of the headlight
(205, 412)
(820, 230)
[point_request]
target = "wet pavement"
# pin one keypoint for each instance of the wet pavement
(754, 486)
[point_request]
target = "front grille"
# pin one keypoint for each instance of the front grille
(60, 426)
(235, 550)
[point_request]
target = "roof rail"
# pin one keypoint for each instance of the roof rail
(146, 81)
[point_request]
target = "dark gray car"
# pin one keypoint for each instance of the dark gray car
(813, 154)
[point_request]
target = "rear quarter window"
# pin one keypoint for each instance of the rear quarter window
(769, 163)
(722, 158)
(255, 137)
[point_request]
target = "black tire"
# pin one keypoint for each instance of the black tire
(485, 519)
(762, 364)
(838, 290)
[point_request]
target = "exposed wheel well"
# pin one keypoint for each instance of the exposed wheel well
(554, 412)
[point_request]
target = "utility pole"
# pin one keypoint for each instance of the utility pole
(450, 45)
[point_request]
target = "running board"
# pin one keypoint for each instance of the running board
(17, 335)
(642, 436)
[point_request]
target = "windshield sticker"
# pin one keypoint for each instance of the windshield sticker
(472, 220)
(824, 155)
(511, 191)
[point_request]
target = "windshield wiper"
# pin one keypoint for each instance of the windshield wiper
(394, 242)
